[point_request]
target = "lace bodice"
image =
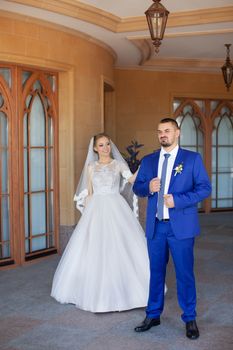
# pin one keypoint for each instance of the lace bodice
(106, 178)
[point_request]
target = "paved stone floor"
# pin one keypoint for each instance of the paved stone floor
(31, 320)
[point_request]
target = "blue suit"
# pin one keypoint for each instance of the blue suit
(188, 187)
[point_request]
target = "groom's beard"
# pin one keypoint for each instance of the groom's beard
(165, 143)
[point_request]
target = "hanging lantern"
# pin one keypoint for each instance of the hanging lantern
(157, 16)
(227, 69)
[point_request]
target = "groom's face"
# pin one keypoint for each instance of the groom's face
(168, 135)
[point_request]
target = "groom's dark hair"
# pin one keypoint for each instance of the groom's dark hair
(169, 120)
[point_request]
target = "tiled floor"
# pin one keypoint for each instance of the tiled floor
(31, 320)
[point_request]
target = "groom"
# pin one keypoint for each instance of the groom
(174, 180)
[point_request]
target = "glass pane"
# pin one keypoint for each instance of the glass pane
(25, 76)
(47, 102)
(38, 213)
(50, 168)
(37, 123)
(225, 134)
(37, 85)
(176, 104)
(214, 159)
(5, 219)
(26, 170)
(51, 241)
(25, 130)
(214, 137)
(52, 81)
(26, 217)
(225, 110)
(188, 109)
(213, 204)
(225, 186)
(225, 158)
(37, 169)
(6, 74)
(225, 203)
(50, 131)
(200, 138)
(28, 100)
(188, 132)
(51, 219)
(213, 194)
(3, 129)
(179, 120)
(38, 243)
(201, 104)
(1, 100)
(213, 105)
(4, 166)
(6, 250)
(222, 160)
(27, 247)
(200, 149)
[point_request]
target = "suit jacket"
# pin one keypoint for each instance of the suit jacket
(188, 187)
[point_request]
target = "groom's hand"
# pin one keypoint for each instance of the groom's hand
(169, 201)
(154, 185)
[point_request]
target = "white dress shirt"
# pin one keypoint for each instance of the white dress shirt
(170, 167)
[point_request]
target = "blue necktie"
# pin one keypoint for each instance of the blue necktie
(161, 192)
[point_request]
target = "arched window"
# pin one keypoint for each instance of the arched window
(207, 127)
(222, 159)
(38, 136)
(5, 188)
(188, 117)
(189, 121)
(28, 164)
(4, 208)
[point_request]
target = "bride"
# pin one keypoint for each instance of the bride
(105, 265)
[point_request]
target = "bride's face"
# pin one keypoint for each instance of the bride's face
(103, 147)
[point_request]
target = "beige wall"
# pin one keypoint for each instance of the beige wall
(144, 97)
(83, 66)
(139, 99)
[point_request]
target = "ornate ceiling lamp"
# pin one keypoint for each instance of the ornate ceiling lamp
(227, 69)
(157, 16)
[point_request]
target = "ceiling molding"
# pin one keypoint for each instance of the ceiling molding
(152, 62)
(144, 44)
(185, 18)
(179, 65)
(116, 24)
(134, 38)
(59, 27)
(77, 10)
(185, 63)
(144, 47)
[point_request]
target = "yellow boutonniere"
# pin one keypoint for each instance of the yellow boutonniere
(178, 169)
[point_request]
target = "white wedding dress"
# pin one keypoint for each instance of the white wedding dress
(105, 266)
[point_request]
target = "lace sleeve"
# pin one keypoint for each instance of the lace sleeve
(124, 170)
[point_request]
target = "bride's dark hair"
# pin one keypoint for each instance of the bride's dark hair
(99, 136)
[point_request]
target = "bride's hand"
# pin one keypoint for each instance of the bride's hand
(87, 200)
(133, 178)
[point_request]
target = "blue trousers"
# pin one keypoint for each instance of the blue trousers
(182, 255)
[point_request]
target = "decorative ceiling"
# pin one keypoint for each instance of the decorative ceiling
(194, 39)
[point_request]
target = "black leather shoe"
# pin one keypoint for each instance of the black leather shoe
(147, 324)
(192, 331)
